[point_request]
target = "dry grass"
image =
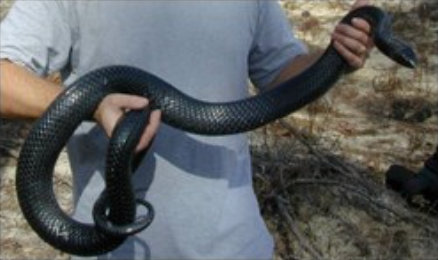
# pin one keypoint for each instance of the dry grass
(319, 173)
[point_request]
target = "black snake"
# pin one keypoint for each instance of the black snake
(77, 103)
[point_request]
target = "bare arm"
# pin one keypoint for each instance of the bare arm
(25, 95)
(353, 42)
(298, 65)
(22, 93)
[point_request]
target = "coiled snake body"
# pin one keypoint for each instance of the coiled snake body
(78, 102)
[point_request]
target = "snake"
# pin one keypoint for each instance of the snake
(77, 103)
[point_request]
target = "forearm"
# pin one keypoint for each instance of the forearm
(22, 93)
(296, 66)
(353, 42)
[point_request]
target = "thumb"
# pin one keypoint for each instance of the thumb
(126, 101)
(113, 106)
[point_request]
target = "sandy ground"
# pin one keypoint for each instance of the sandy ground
(319, 174)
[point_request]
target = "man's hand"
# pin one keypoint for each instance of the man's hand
(112, 108)
(353, 42)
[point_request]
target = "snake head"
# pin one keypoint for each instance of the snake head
(403, 54)
(393, 47)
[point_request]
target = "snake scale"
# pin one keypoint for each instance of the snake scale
(77, 103)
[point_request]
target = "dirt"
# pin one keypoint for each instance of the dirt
(319, 173)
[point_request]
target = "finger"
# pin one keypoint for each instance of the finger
(358, 47)
(352, 58)
(129, 101)
(112, 108)
(150, 131)
(111, 117)
(370, 44)
(352, 32)
(361, 25)
(365, 27)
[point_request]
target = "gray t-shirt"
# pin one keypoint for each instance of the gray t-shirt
(200, 186)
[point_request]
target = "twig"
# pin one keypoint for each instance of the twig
(8, 152)
(295, 230)
(339, 166)
(354, 233)
(10, 142)
(364, 195)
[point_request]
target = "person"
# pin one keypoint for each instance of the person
(200, 186)
(408, 183)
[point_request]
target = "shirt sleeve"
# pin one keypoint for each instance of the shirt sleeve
(274, 44)
(36, 34)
